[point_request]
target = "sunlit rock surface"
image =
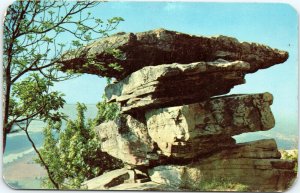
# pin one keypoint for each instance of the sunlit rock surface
(199, 128)
(126, 139)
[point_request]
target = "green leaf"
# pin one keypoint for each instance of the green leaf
(76, 43)
(116, 66)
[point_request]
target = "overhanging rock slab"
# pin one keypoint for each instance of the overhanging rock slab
(175, 84)
(162, 46)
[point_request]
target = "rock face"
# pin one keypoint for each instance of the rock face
(175, 131)
(109, 179)
(162, 46)
(255, 164)
(126, 139)
(147, 186)
(176, 84)
(113, 180)
(195, 129)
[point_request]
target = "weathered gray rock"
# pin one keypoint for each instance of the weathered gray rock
(190, 130)
(176, 84)
(255, 165)
(164, 47)
(126, 139)
(118, 178)
(109, 179)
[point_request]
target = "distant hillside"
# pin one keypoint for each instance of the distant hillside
(284, 141)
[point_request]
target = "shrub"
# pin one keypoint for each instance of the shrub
(290, 155)
(74, 154)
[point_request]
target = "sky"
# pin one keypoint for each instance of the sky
(272, 24)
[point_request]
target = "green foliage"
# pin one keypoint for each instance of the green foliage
(31, 98)
(106, 111)
(34, 41)
(116, 66)
(291, 155)
(220, 185)
(116, 53)
(49, 152)
(74, 155)
(115, 19)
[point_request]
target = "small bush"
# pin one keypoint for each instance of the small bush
(290, 155)
(73, 155)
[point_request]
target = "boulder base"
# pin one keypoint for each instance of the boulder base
(126, 139)
(255, 165)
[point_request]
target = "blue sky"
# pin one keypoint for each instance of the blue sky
(272, 24)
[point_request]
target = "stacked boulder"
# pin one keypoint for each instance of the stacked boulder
(175, 131)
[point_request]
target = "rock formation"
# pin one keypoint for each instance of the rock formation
(255, 164)
(126, 139)
(191, 130)
(175, 131)
(176, 84)
(162, 46)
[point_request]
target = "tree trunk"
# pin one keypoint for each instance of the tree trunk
(42, 160)
(6, 97)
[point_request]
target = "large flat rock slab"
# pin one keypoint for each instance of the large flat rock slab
(126, 139)
(175, 84)
(162, 46)
(255, 165)
(191, 130)
(107, 180)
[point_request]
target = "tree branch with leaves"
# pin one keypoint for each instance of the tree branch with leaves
(34, 32)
